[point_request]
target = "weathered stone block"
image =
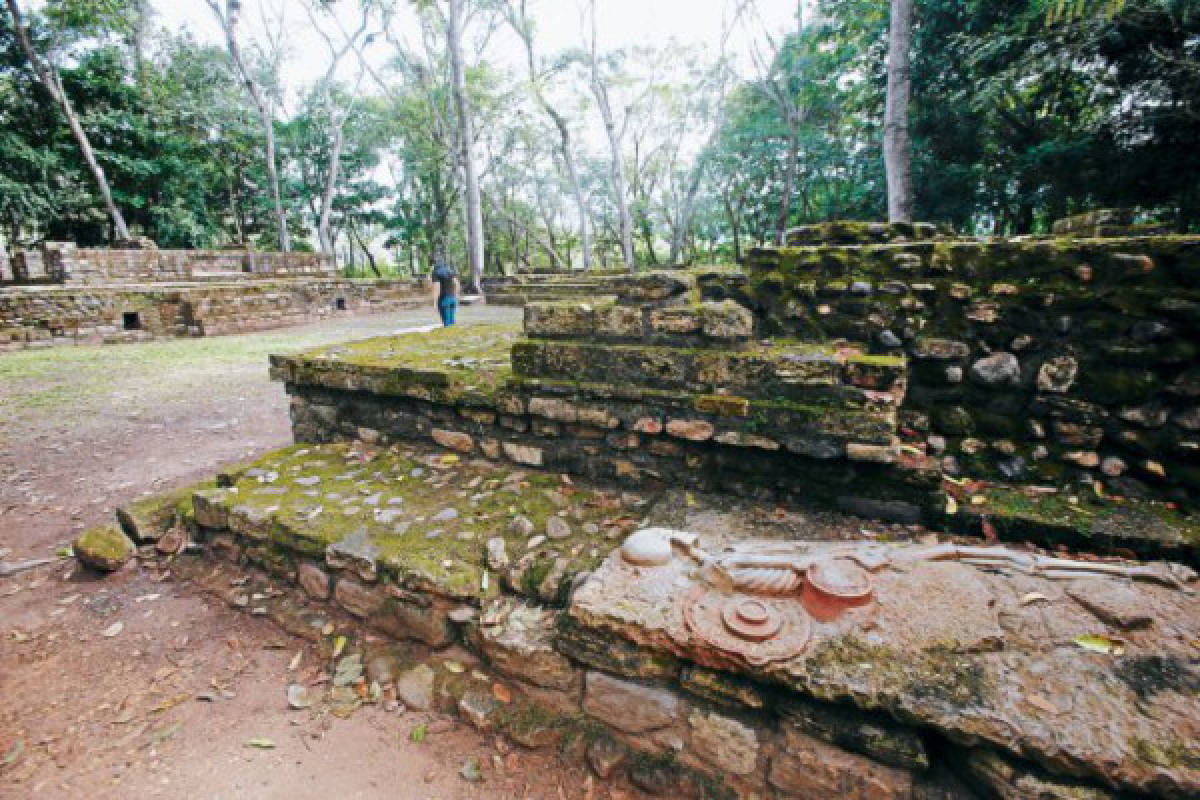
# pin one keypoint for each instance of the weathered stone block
(619, 322)
(313, 580)
(414, 687)
(518, 640)
(453, 440)
(727, 320)
(357, 599)
(997, 370)
(721, 687)
(730, 745)
(940, 349)
(209, 506)
(105, 548)
(675, 320)
(805, 767)
(628, 706)
(400, 616)
(872, 734)
(694, 430)
(1007, 780)
(558, 319)
(523, 454)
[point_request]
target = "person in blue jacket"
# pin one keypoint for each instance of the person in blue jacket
(446, 282)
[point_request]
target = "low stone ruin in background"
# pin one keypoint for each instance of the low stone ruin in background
(62, 294)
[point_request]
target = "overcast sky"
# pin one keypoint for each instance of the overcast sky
(622, 23)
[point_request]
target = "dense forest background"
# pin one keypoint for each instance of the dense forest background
(1019, 114)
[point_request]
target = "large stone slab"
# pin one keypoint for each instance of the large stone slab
(980, 655)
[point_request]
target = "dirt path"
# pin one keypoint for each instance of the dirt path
(83, 430)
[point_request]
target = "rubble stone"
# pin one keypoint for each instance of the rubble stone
(105, 548)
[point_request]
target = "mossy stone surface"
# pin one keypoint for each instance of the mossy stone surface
(449, 365)
(105, 548)
(425, 515)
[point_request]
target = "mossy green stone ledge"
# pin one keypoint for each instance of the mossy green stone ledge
(458, 365)
(423, 518)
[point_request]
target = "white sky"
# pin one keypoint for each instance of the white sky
(622, 23)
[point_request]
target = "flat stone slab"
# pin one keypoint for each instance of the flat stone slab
(447, 365)
(980, 653)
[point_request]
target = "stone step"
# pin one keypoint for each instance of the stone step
(1078, 520)
(720, 324)
(784, 371)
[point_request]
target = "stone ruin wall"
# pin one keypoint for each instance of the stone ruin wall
(654, 388)
(63, 262)
(850, 375)
(747, 382)
(1035, 361)
(68, 295)
(49, 316)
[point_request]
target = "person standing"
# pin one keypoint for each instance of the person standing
(446, 282)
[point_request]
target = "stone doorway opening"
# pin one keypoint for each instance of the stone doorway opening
(131, 321)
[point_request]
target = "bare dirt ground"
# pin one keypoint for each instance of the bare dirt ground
(166, 707)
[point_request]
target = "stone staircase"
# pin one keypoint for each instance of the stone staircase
(716, 406)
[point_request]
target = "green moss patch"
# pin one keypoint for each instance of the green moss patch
(444, 364)
(424, 516)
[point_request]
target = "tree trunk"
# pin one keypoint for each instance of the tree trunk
(620, 191)
(541, 241)
(266, 116)
(454, 21)
(585, 233)
(789, 180)
(520, 22)
(331, 179)
(735, 228)
(897, 151)
(48, 78)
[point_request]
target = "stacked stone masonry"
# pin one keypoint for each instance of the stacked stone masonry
(518, 290)
(67, 295)
(1028, 361)
(475, 486)
(842, 392)
(950, 682)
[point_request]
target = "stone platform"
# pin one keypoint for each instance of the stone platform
(960, 672)
(683, 396)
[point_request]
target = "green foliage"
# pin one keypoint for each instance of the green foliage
(1022, 111)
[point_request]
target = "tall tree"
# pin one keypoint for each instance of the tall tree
(616, 136)
(49, 79)
(466, 136)
(523, 25)
(337, 119)
(774, 79)
(897, 148)
(265, 105)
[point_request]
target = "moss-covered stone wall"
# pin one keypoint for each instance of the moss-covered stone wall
(1040, 361)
